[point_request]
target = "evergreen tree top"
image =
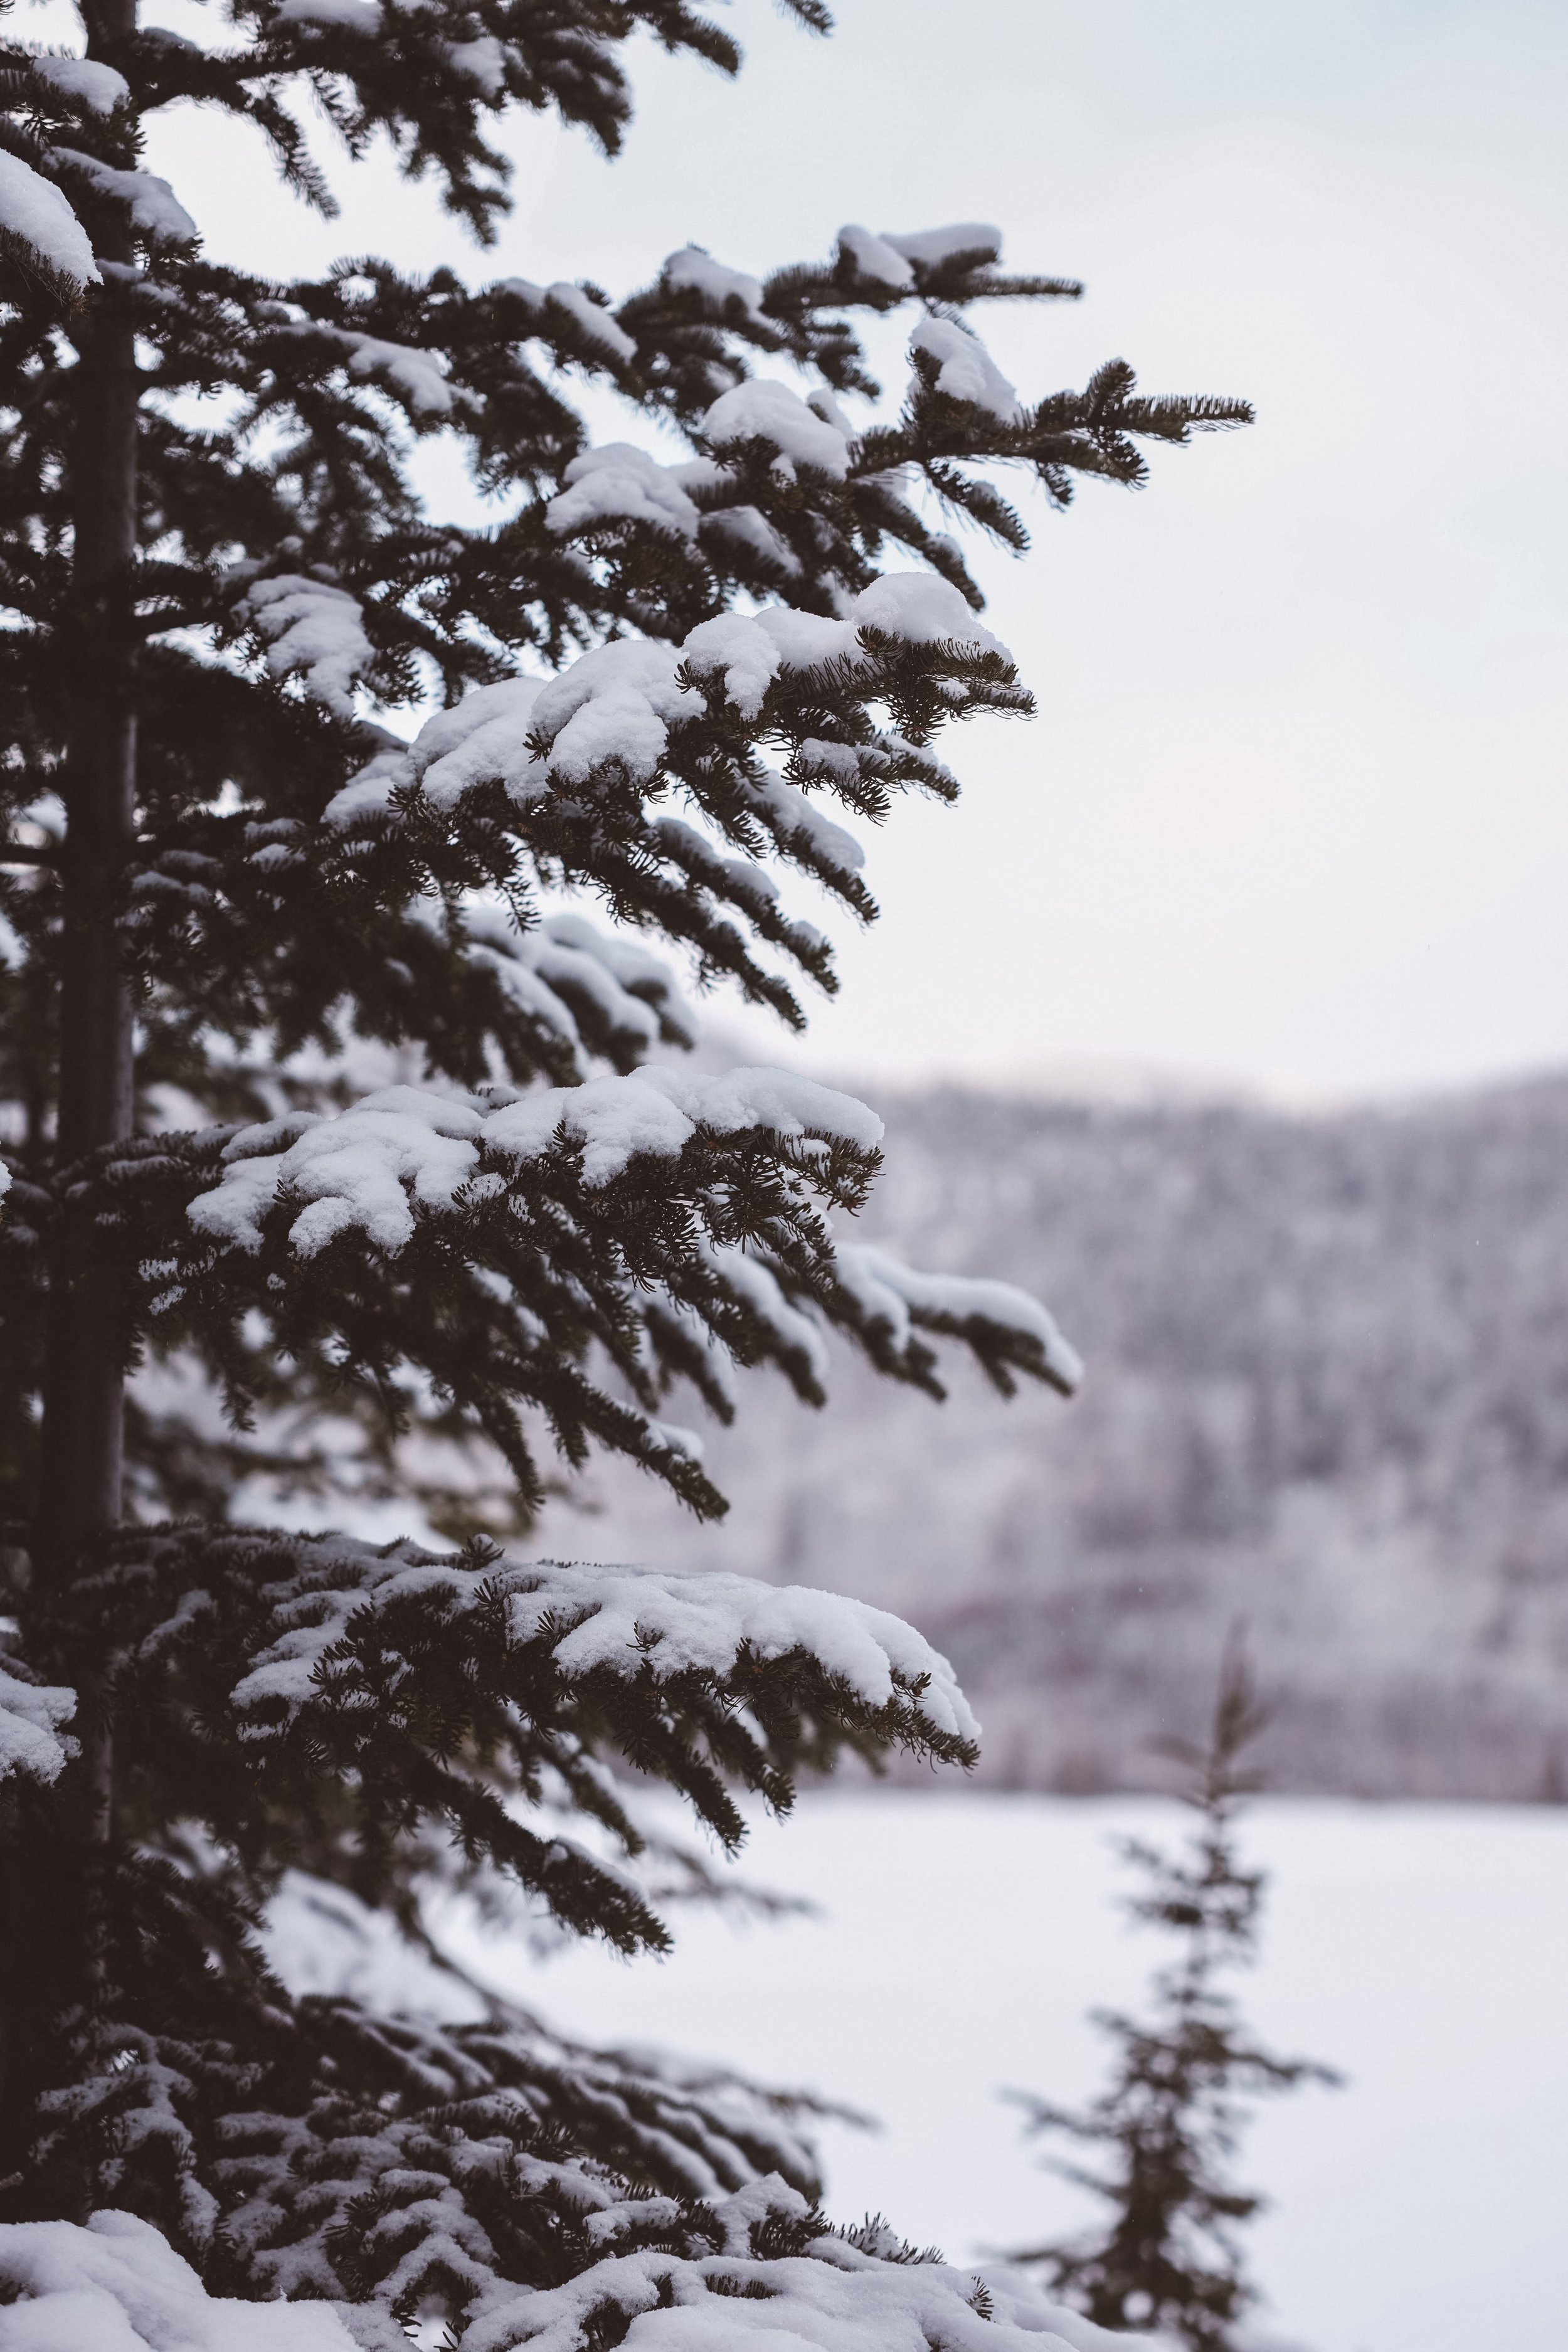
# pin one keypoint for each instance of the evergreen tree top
(298, 878)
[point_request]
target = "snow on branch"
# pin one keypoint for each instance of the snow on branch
(780, 2274)
(95, 87)
(362, 17)
(765, 410)
(38, 224)
(482, 740)
(150, 203)
(929, 249)
(800, 830)
(760, 2264)
(570, 1253)
(118, 2285)
(312, 631)
(382, 2166)
(404, 1148)
(961, 367)
(704, 1623)
(631, 701)
(592, 321)
(568, 772)
(875, 258)
(417, 375)
(692, 268)
(31, 1740)
(601, 992)
(1006, 1328)
(629, 1623)
(256, 1673)
(839, 686)
(686, 2127)
(799, 1347)
(533, 1253)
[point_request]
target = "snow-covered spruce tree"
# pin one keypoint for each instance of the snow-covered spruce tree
(1167, 2254)
(226, 884)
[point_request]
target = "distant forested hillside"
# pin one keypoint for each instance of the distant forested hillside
(1328, 1394)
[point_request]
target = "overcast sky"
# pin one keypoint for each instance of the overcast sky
(1294, 813)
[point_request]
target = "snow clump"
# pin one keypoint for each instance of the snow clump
(482, 62)
(762, 409)
(481, 739)
(876, 258)
(96, 87)
(156, 213)
(617, 481)
(932, 247)
(965, 369)
(791, 814)
(592, 316)
(33, 213)
(31, 1740)
(118, 2285)
(313, 631)
(692, 266)
(891, 1293)
(418, 375)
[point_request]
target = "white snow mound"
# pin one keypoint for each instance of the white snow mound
(118, 2285)
(965, 369)
(33, 209)
(96, 87)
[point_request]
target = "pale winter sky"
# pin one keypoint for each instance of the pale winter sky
(1294, 812)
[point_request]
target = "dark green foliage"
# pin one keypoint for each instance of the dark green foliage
(380, 1720)
(1168, 2256)
(394, 2163)
(300, 1696)
(499, 1294)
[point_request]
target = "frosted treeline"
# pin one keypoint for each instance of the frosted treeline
(1327, 1391)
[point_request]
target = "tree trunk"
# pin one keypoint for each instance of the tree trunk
(56, 1919)
(83, 1402)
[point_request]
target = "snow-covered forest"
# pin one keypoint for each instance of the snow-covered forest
(1328, 1394)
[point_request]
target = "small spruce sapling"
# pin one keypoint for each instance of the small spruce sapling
(1167, 2253)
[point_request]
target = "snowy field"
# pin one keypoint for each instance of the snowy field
(1421, 1950)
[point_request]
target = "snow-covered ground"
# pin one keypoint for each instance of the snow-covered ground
(1424, 1951)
